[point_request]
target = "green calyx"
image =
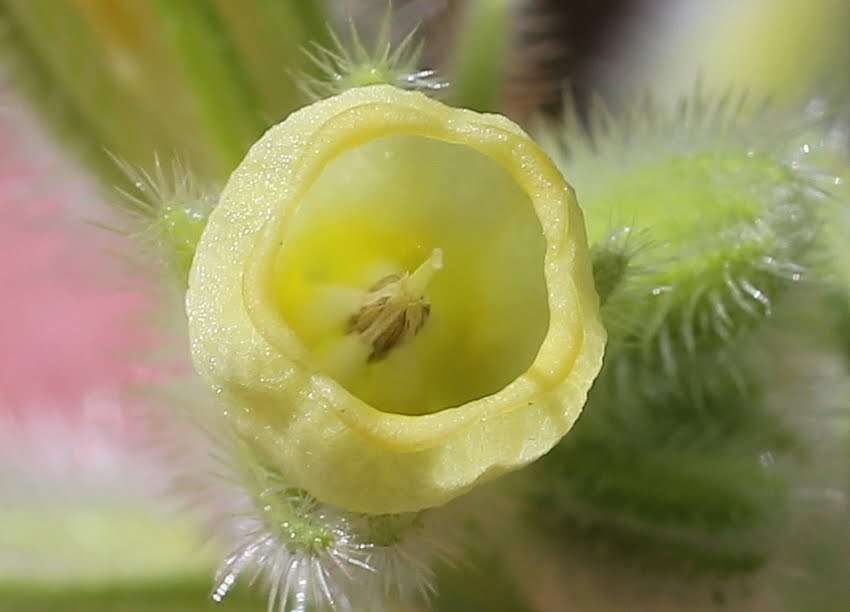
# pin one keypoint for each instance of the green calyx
(180, 228)
(169, 209)
(345, 65)
(305, 526)
(313, 554)
(288, 515)
(302, 525)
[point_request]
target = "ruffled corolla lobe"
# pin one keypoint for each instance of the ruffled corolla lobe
(394, 299)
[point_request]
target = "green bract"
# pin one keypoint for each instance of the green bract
(705, 221)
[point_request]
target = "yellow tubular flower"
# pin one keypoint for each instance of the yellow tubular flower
(394, 299)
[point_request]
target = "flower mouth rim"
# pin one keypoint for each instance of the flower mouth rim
(536, 176)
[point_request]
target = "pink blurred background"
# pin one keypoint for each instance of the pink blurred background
(71, 317)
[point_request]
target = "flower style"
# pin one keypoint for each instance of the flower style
(394, 300)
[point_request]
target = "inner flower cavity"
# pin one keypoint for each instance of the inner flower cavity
(413, 273)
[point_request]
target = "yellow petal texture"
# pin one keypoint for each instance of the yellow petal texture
(394, 300)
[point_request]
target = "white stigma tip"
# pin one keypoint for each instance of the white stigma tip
(437, 259)
(421, 277)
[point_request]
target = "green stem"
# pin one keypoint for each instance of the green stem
(480, 65)
(270, 35)
(225, 99)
